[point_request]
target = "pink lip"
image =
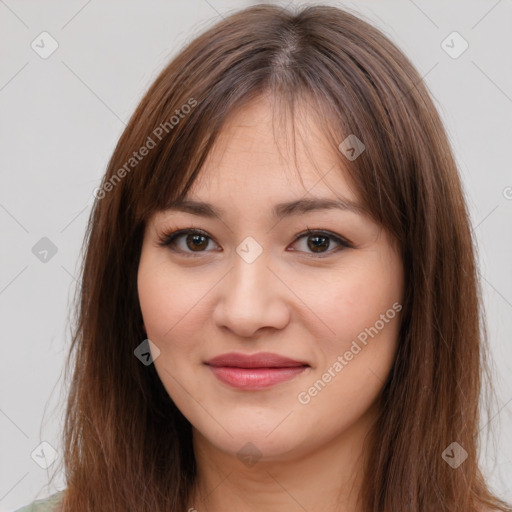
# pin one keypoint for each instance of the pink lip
(256, 371)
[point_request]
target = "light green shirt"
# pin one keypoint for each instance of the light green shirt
(43, 505)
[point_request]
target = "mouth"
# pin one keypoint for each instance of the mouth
(256, 371)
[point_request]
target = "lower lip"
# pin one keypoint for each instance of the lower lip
(255, 378)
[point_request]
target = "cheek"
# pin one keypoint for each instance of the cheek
(170, 298)
(354, 302)
(364, 313)
(164, 298)
(170, 319)
(155, 302)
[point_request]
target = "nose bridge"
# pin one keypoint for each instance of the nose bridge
(251, 296)
(249, 280)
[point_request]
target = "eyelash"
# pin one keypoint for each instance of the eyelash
(168, 239)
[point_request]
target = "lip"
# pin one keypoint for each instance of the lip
(258, 360)
(255, 371)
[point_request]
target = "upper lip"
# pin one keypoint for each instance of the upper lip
(259, 360)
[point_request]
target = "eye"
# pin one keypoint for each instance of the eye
(318, 242)
(192, 240)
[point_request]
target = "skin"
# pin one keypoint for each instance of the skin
(290, 302)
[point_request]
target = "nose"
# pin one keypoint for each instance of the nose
(252, 298)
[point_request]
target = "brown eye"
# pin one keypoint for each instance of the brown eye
(195, 241)
(320, 243)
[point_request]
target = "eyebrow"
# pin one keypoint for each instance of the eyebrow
(279, 210)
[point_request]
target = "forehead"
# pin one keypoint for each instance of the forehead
(260, 153)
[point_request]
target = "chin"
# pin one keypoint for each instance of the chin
(264, 442)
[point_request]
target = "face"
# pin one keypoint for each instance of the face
(250, 279)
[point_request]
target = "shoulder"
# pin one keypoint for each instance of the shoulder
(43, 505)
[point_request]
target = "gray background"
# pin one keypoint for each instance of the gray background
(61, 117)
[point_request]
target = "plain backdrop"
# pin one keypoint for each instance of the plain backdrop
(62, 115)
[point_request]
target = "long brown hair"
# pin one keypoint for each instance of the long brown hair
(127, 446)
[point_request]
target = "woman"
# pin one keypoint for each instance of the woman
(279, 305)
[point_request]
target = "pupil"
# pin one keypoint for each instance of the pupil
(318, 245)
(196, 242)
